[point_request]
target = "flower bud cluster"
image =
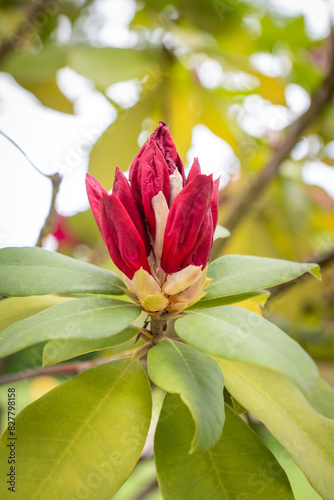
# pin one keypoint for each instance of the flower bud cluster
(158, 226)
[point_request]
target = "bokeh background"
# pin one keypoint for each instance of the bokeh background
(84, 83)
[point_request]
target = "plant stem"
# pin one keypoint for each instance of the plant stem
(157, 326)
(72, 368)
(151, 487)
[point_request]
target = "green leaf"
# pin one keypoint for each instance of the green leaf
(57, 351)
(238, 334)
(235, 274)
(260, 296)
(278, 403)
(221, 232)
(13, 309)
(238, 466)
(178, 368)
(88, 318)
(34, 271)
(83, 438)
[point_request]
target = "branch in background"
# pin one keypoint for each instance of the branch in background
(255, 190)
(55, 179)
(322, 260)
(51, 219)
(15, 39)
(72, 368)
(151, 487)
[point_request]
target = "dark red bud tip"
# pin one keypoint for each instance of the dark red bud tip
(195, 170)
(163, 139)
(94, 192)
(125, 246)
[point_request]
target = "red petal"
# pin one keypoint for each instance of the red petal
(125, 246)
(153, 179)
(162, 138)
(214, 204)
(134, 175)
(94, 192)
(184, 221)
(200, 253)
(121, 190)
(165, 152)
(195, 170)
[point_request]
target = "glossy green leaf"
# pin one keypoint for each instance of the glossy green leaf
(234, 274)
(88, 318)
(57, 351)
(239, 466)
(34, 271)
(83, 438)
(278, 403)
(238, 334)
(13, 309)
(178, 368)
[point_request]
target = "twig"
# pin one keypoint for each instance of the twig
(151, 487)
(254, 191)
(16, 39)
(322, 260)
(51, 219)
(72, 368)
(55, 179)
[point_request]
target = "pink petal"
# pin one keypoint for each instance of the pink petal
(184, 222)
(121, 190)
(125, 246)
(94, 192)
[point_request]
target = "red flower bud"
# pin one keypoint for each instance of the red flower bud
(94, 192)
(159, 224)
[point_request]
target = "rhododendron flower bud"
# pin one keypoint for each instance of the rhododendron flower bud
(158, 226)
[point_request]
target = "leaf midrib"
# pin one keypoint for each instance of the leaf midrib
(257, 340)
